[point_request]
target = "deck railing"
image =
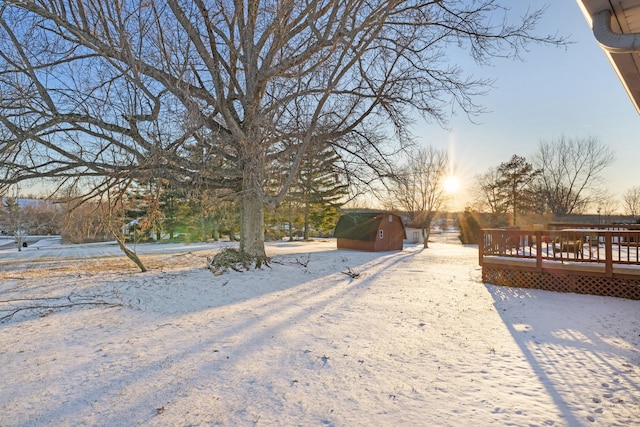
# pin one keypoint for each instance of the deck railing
(602, 245)
(588, 260)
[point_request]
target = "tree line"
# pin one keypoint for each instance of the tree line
(563, 177)
(156, 210)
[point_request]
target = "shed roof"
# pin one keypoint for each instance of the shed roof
(359, 225)
(616, 27)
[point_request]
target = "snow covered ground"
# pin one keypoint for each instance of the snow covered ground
(416, 339)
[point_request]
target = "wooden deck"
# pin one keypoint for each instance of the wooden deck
(598, 260)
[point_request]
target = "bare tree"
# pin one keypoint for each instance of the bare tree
(632, 202)
(570, 171)
(418, 188)
(604, 203)
(83, 223)
(132, 90)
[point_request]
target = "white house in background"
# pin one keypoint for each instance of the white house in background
(444, 226)
(414, 235)
(616, 27)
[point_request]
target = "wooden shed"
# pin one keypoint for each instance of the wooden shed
(370, 231)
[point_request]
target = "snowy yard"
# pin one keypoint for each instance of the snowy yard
(416, 339)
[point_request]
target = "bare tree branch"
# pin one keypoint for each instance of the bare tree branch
(205, 92)
(570, 172)
(418, 187)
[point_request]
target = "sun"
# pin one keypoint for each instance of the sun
(451, 184)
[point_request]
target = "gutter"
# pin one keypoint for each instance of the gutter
(610, 41)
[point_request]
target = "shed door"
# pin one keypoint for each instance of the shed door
(382, 242)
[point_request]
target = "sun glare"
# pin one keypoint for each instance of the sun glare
(451, 184)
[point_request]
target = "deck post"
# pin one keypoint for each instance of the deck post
(539, 250)
(608, 255)
(480, 247)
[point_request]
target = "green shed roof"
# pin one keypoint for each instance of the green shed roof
(359, 225)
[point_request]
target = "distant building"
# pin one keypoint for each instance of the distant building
(370, 231)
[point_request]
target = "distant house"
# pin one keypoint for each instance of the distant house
(414, 235)
(370, 231)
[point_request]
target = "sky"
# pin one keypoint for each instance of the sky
(554, 91)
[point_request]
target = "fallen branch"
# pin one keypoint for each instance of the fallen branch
(35, 304)
(351, 273)
(285, 260)
(9, 301)
(304, 262)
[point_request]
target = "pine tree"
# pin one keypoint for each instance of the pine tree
(319, 189)
(516, 183)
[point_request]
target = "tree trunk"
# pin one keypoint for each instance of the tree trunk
(306, 221)
(130, 254)
(203, 229)
(426, 228)
(251, 226)
(515, 202)
(290, 220)
(425, 236)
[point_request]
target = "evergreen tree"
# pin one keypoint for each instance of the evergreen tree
(319, 189)
(469, 227)
(10, 214)
(516, 185)
(174, 206)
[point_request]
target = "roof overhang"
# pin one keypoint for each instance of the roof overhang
(616, 27)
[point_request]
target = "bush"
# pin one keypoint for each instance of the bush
(469, 228)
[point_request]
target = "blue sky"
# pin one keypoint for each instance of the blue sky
(571, 91)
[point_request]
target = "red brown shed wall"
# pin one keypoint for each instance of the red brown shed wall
(392, 235)
(358, 245)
